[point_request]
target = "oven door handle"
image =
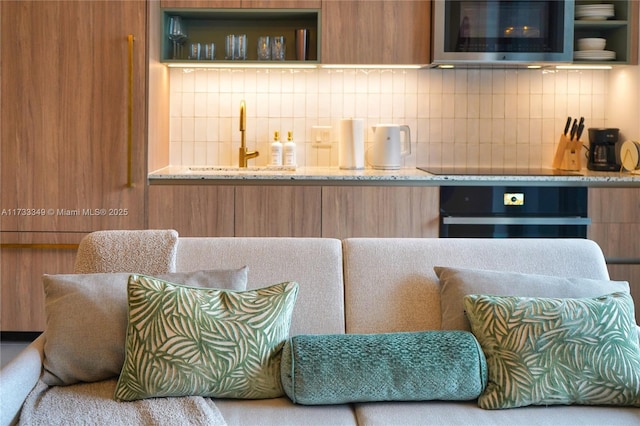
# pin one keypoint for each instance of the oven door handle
(484, 220)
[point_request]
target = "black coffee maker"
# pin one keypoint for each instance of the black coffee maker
(602, 149)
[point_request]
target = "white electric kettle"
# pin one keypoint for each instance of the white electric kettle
(388, 148)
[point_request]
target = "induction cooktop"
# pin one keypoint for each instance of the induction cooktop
(497, 171)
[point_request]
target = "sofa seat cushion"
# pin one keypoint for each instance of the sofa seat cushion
(206, 342)
(467, 413)
(87, 320)
(545, 351)
(283, 412)
(83, 404)
(411, 366)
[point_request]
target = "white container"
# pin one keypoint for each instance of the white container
(351, 144)
(592, 43)
(276, 150)
(290, 151)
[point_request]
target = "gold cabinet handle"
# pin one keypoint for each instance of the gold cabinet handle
(130, 115)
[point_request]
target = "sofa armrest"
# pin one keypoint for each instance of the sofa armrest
(17, 379)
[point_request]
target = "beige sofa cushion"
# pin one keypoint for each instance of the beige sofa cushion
(87, 321)
(314, 263)
(146, 251)
(390, 284)
(458, 282)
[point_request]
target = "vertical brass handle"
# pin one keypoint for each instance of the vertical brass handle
(130, 116)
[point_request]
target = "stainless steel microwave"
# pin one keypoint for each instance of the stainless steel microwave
(502, 31)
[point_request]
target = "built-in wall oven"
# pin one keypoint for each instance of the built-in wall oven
(513, 212)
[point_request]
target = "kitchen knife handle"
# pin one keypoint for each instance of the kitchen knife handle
(574, 128)
(566, 126)
(130, 115)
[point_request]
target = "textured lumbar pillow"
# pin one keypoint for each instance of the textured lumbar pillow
(410, 366)
(204, 342)
(545, 351)
(455, 283)
(87, 321)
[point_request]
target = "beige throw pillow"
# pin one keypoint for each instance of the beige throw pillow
(455, 283)
(87, 320)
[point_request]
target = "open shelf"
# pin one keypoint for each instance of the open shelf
(618, 31)
(213, 25)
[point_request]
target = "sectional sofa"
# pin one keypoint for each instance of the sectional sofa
(350, 289)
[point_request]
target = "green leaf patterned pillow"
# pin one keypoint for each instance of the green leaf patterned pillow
(544, 351)
(205, 342)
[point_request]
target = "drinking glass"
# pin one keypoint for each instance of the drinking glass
(209, 51)
(177, 35)
(240, 51)
(229, 47)
(195, 51)
(236, 47)
(278, 48)
(264, 48)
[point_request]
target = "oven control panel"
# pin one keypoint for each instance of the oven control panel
(514, 198)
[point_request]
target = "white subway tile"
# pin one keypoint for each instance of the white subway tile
(476, 116)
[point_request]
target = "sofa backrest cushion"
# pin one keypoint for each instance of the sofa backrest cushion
(390, 284)
(314, 263)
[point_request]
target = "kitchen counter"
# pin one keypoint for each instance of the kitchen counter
(406, 176)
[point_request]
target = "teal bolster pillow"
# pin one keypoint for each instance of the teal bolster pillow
(409, 366)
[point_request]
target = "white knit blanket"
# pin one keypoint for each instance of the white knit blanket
(93, 404)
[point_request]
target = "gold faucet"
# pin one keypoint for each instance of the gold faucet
(244, 153)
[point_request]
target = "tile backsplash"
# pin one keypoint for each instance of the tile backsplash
(485, 117)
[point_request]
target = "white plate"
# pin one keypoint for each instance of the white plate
(629, 155)
(595, 55)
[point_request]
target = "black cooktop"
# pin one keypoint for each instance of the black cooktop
(497, 171)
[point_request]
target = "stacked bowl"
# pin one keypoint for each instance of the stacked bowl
(592, 49)
(594, 12)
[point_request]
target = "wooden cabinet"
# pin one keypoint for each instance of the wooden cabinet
(615, 216)
(192, 210)
(384, 211)
(25, 258)
(241, 211)
(72, 155)
(278, 211)
(376, 32)
(620, 31)
(73, 113)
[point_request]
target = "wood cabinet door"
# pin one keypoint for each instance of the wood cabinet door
(68, 88)
(615, 226)
(385, 211)
(376, 31)
(615, 221)
(192, 210)
(278, 211)
(25, 258)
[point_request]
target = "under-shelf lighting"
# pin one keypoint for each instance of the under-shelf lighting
(242, 64)
(583, 67)
(371, 66)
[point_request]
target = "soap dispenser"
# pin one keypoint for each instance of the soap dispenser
(290, 151)
(276, 150)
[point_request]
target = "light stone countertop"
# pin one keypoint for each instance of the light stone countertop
(404, 176)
